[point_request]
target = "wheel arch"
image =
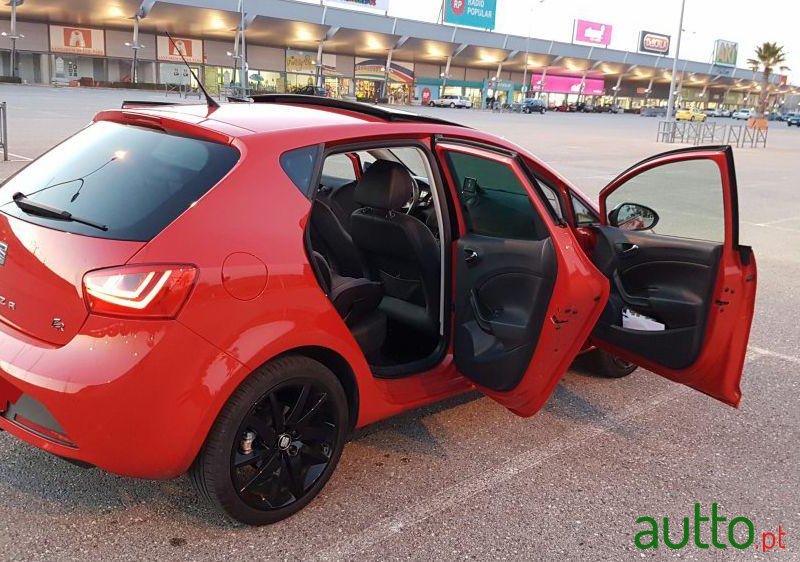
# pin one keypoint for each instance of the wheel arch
(339, 366)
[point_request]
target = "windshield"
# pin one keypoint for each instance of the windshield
(134, 180)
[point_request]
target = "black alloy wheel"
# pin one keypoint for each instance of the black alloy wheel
(276, 442)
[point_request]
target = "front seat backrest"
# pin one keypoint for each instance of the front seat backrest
(401, 252)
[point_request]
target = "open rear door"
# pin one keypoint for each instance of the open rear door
(682, 287)
(526, 296)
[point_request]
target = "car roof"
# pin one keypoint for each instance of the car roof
(273, 113)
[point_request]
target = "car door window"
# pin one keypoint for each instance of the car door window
(687, 195)
(583, 215)
(493, 201)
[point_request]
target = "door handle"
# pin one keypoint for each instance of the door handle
(471, 256)
(627, 250)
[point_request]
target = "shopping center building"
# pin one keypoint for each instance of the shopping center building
(300, 47)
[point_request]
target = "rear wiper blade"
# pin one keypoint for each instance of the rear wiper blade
(41, 210)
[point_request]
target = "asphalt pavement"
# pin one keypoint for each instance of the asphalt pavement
(466, 478)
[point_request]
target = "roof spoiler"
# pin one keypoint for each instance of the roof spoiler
(386, 114)
(133, 104)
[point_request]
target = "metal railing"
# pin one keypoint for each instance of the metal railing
(697, 133)
(4, 129)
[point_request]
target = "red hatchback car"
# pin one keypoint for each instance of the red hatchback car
(229, 291)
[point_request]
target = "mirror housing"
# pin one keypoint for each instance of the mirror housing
(633, 217)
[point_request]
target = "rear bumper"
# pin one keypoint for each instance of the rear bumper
(132, 397)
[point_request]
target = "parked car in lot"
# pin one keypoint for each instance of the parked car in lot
(533, 105)
(744, 114)
(452, 101)
(165, 309)
(690, 114)
(653, 112)
(793, 119)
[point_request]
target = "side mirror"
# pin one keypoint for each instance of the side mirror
(632, 216)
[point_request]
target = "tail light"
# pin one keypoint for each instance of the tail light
(140, 291)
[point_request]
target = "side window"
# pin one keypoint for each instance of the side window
(493, 200)
(299, 165)
(552, 198)
(584, 216)
(338, 166)
(686, 195)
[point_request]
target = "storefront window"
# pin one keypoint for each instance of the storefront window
(267, 82)
(367, 90)
(87, 70)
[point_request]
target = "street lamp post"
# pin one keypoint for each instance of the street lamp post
(13, 35)
(671, 101)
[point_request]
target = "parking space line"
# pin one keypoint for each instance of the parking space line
(761, 351)
(469, 487)
(20, 157)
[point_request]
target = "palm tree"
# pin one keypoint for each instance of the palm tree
(768, 56)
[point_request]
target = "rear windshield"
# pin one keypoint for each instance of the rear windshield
(133, 180)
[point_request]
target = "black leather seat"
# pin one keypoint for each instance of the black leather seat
(400, 251)
(329, 237)
(356, 300)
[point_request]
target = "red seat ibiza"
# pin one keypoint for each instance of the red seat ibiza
(229, 291)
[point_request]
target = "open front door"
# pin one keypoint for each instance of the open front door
(526, 296)
(682, 288)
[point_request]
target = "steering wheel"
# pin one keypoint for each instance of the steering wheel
(412, 205)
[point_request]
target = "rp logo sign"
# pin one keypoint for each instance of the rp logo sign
(458, 6)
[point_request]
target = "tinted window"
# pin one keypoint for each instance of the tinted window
(493, 200)
(552, 198)
(132, 179)
(687, 195)
(299, 166)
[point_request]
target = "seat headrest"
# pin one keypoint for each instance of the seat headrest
(385, 185)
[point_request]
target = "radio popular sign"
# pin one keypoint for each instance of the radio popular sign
(472, 13)
(592, 33)
(382, 5)
(77, 40)
(653, 43)
(725, 52)
(192, 49)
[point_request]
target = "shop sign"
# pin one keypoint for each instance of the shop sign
(305, 62)
(471, 13)
(382, 5)
(653, 43)
(500, 84)
(171, 50)
(592, 33)
(725, 52)
(77, 40)
(569, 85)
(375, 69)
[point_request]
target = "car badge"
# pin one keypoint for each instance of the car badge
(57, 324)
(3, 252)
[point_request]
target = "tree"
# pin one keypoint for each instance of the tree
(768, 56)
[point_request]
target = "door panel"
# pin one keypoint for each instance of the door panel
(504, 288)
(669, 280)
(701, 292)
(526, 296)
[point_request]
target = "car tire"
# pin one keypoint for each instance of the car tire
(452, 105)
(300, 465)
(607, 365)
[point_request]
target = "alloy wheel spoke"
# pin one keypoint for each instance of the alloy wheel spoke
(314, 454)
(294, 475)
(323, 432)
(276, 409)
(302, 422)
(261, 427)
(297, 409)
(259, 476)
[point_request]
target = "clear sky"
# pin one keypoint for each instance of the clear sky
(747, 22)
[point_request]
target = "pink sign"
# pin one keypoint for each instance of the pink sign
(592, 32)
(568, 85)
